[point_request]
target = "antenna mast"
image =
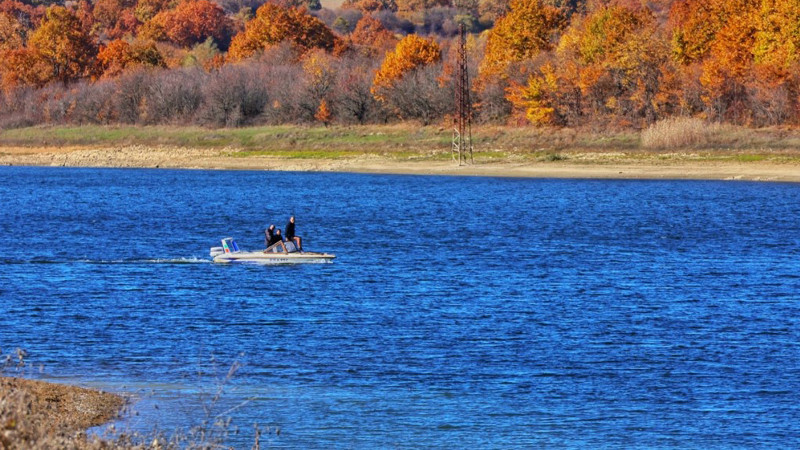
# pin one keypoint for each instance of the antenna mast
(462, 119)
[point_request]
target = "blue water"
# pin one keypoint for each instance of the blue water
(459, 313)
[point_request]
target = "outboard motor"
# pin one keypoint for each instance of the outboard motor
(217, 251)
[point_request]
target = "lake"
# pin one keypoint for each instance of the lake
(460, 312)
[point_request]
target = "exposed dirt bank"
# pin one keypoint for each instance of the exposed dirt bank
(37, 414)
(618, 165)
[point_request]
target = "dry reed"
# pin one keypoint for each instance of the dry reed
(684, 133)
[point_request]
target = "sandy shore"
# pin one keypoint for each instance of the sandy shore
(37, 414)
(576, 165)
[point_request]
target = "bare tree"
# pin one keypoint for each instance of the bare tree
(234, 96)
(132, 89)
(92, 103)
(421, 95)
(174, 96)
(353, 101)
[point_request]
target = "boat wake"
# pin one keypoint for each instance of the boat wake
(136, 261)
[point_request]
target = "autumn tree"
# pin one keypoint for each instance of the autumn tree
(117, 18)
(28, 16)
(370, 6)
(411, 53)
(608, 63)
(408, 8)
(776, 63)
(118, 55)
(82, 9)
(312, 5)
(777, 41)
(12, 33)
(273, 25)
(323, 113)
(530, 27)
(695, 24)
(491, 10)
(370, 37)
(60, 48)
(147, 9)
(727, 68)
(191, 22)
(206, 55)
(24, 66)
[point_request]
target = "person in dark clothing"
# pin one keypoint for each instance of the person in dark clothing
(291, 237)
(268, 233)
(276, 240)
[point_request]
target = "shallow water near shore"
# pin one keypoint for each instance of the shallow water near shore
(460, 312)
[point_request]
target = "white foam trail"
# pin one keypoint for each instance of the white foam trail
(193, 260)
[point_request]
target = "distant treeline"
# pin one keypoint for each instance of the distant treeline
(596, 63)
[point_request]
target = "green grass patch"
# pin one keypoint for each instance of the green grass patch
(373, 138)
(299, 154)
(410, 142)
(750, 158)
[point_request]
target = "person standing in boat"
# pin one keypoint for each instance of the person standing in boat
(291, 237)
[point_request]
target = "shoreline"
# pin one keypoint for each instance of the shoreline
(595, 165)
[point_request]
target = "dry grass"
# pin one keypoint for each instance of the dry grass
(685, 133)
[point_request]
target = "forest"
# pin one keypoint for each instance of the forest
(598, 64)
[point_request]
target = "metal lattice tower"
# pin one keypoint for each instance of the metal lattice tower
(462, 119)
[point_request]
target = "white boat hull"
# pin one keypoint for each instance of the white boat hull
(275, 258)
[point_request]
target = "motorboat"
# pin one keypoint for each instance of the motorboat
(280, 253)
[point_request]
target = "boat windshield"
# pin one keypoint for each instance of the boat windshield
(229, 245)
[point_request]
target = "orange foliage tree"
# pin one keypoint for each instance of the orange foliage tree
(529, 28)
(116, 17)
(23, 66)
(726, 70)
(411, 53)
(370, 6)
(273, 25)
(191, 22)
(119, 55)
(60, 49)
(12, 33)
(408, 8)
(28, 16)
(147, 9)
(607, 63)
(620, 61)
(370, 37)
(695, 24)
(777, 42)
(323, 113)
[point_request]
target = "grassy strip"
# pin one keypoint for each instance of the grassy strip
(408, 142)
(254, 138)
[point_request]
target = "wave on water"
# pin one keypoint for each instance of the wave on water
(193, 260)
